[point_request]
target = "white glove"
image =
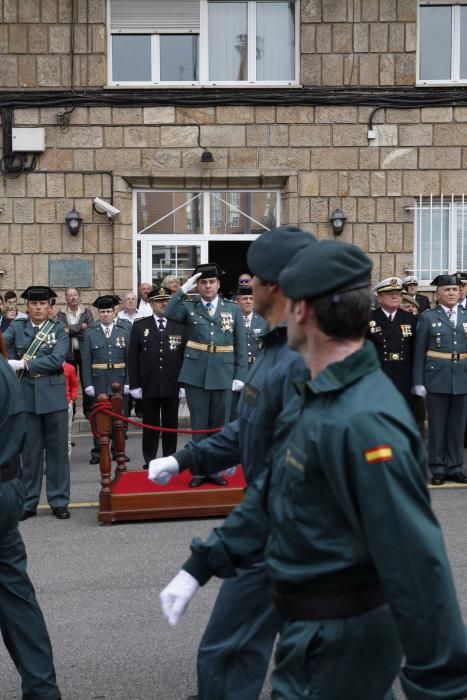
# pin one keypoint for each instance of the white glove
(181, 393)
(237, 385)
(89, 391)
(419, 390)
(126, 389)
(176, 596)
(16, 365)
(163, 469)
(137, 393)
(191, 283)
(228, 472)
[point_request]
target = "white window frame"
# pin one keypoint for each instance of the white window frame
(146, 240)
(203, 58)
(456, 38)
(456, 207)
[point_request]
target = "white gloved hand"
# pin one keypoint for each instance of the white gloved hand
(181, 393)
(163, 469)
(190, 283)
(16, 365)
(237, 385)
(89, 391)
(137, 393)
(176, 596)
(419, 390)
(126, 389)
(228, 472)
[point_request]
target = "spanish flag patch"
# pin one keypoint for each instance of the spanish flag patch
(381, 453)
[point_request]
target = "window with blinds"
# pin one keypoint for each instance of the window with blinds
(442, 42)
(206, 42)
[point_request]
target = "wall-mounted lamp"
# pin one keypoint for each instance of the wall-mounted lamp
(73, 222)
(206, 156)
(338, 219)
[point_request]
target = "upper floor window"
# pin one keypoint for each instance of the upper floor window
(203, 42)
(442, 43)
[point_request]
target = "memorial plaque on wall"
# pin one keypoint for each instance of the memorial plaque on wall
(70, 273)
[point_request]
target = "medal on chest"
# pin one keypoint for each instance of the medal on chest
(374, 328)
(227, 322)
(174, 341)
(120, 341)
(406, 330)
(51, 340)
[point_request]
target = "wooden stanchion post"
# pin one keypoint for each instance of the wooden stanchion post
(118, 428)
(104, 428)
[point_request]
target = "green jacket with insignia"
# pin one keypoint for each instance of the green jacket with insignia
(346, 501)
(99, 350)
(43, 385)
(210, 370)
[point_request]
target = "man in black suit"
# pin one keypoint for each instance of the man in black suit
(155, 359)
(392, 331)
(410, 284)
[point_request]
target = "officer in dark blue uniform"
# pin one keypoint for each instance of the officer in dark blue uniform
(154, 361)
(411, 286)
(37, 347)
(21, 621)
(104, 355)
(236, 646)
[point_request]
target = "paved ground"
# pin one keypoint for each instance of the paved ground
(98, 587)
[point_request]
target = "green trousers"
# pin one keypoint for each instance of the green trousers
(347, 659)
(208, 408)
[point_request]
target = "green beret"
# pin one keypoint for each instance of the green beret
(269, 253)
(324, 268)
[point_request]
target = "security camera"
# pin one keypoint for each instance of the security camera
(100, 204)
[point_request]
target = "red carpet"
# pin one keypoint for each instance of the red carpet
(138, 482)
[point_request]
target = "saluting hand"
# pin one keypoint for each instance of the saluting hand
(190, 283)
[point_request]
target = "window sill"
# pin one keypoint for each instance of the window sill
(197, 86)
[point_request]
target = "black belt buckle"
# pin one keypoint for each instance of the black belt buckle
(211, 347)
(455, 357)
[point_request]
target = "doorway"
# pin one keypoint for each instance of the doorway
(231, 256)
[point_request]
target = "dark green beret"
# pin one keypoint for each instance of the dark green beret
(269, 253)
(324, 268)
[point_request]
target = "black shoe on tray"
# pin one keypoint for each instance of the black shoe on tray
(197, 481)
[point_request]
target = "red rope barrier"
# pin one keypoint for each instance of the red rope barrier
(106, 407)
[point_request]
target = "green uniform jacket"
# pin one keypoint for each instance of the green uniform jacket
(436, 332)
(347, 497)
(43, 386)
(97, 349)
(12, 418)
(210, 370)
(258, 325)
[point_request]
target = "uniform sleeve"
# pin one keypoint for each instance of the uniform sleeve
(421, 344)
(212, 454)
(133, 359)
(383, 492)
(241, 356)
(239, 541)
(86, 361)
(55, 359)
(175, 309)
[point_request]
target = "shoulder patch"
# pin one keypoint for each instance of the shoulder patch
(380, 453)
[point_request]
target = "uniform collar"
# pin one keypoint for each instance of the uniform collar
(274, 335)
(341, 374)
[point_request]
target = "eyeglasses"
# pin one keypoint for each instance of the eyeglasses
(244, 281)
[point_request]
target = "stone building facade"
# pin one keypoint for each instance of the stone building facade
(305, 141)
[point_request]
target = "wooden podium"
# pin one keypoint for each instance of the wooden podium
(121, 500)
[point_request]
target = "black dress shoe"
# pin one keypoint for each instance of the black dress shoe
(62, 512)
(218, 480)
(94, 460)
(197, 481)
(27, 514)
(437, 480)
(458, 478)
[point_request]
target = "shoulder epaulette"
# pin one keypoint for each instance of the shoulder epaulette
(140, 318)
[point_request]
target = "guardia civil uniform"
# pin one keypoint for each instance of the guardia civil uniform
(353, 550)
(440, 365)
(215, 354)
(21, 621)
(44, 392)
(236, 647)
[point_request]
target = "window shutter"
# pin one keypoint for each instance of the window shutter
(152, 16)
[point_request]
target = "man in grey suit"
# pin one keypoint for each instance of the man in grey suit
(440, 374)
(37, 347)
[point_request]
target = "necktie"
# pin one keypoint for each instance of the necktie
(247, 322)
(161, 324)
(391, 318)
(210, 308)
(108, 331)
(35, 329)
(451, 316)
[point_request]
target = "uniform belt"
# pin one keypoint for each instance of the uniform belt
(454, 356)
(36, 375)
(393, 357)
(329, 605)
(108, 365)
(209, 347)
(8, 472)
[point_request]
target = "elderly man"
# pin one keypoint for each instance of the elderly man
(37, 347)
(144, 306)
(440, 374)
(77, 318)
(215, 361)
(129, 312)
(354, 553)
